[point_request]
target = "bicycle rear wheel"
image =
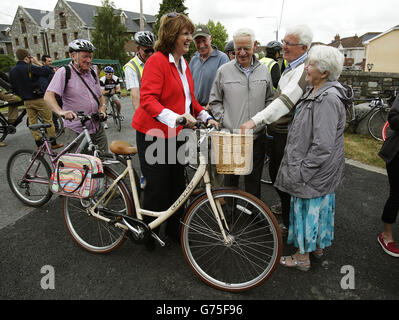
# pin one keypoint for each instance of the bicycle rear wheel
(254, 241)
(92, 234)
(32, 190)
(3, 129)
(376, 122)
(117, 120)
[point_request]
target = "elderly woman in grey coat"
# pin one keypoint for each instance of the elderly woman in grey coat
(313, 164)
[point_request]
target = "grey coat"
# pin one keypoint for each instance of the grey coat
(314, 158)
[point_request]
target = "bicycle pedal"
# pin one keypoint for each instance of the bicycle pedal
(160, 241)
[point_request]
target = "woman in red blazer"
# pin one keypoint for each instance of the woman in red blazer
(166, 94)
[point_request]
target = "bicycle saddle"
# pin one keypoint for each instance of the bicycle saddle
(39, 126)
(122, 148)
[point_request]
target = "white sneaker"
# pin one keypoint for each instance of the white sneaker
(105, 126)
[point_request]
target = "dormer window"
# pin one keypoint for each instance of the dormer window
(63, 20)
(123, 18)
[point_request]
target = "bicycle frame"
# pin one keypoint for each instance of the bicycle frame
(45, 149)
(162, 216)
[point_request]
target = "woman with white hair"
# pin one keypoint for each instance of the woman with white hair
(313, 164)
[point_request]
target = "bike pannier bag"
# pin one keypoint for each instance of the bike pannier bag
(78, 176)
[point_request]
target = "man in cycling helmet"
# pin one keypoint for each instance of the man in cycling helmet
(229, 50)
(273, 49)
(79, 88)
(111, 88)
(145, 41)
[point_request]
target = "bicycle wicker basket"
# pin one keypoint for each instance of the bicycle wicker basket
(232, 152)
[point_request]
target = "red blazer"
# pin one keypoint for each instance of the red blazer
(161, 87)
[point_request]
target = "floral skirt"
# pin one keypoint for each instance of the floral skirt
(311, 223)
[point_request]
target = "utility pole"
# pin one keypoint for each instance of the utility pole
(141, 16)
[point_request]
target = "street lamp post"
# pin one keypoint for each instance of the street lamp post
(271, 17)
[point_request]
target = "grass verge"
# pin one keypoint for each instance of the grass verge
(364, 149)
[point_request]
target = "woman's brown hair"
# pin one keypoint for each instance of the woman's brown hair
(171, 25)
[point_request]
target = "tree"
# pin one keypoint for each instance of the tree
(6, 62)
(110, 35)
(169, 6)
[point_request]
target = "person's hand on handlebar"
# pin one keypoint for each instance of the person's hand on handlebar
(68, 115)
(189, 122)
(214, 123)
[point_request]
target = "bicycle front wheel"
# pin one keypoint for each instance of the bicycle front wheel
(252, 251)
(30, 186)
(376, 122)
(93, 234)
(117, 120)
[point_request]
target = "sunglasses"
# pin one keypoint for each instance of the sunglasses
(147, 51)
(173, 14)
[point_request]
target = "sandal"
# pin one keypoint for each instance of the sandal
(318, 253)
(297, 264)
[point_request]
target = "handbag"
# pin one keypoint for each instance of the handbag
(78, 176)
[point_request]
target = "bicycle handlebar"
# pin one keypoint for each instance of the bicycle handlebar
(98, 116)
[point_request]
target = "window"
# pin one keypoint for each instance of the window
(66, 54)
(53, 38)
(35, 40)
(16, 41)
(63, 20)
(65, 38)
(26, 43)
(55, 55)
(75, 35)
(23, 25)
(123, 18)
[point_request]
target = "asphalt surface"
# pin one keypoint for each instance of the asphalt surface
(34, 241)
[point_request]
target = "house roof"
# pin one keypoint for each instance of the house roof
(353, 42)
(87, 13)
(37, 14)
(380, 35)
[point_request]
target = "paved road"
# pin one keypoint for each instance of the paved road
(33, 239)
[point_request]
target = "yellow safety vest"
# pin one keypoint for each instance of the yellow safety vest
(269, 63)
(136, 66)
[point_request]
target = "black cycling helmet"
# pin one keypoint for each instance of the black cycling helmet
(273, 46)
(81, 45)
(229, 46)
(145, 38)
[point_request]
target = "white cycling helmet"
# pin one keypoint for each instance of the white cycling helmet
(81, 45)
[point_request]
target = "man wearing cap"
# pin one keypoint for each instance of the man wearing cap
(204, 64)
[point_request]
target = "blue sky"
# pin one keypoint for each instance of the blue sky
(326, 18)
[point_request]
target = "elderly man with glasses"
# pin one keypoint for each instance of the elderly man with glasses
(279, 113)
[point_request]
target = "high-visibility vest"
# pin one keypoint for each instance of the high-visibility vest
(268, 62)
(136, 66)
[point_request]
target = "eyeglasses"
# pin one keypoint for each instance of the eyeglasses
(289, 44)
(147, 51)
(173, 14)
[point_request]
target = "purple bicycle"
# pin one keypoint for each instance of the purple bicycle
(28, 172)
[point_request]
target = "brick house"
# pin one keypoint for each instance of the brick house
(353, 49)
(49, 32)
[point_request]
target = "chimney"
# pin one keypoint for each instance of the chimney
(337, 38)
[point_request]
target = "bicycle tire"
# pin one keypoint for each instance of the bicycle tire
(376, 122)
(58, 124)
(3, 129)
(230, 266)
(386, 131)
(92, 234)
(117, 120)
(30, 193)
